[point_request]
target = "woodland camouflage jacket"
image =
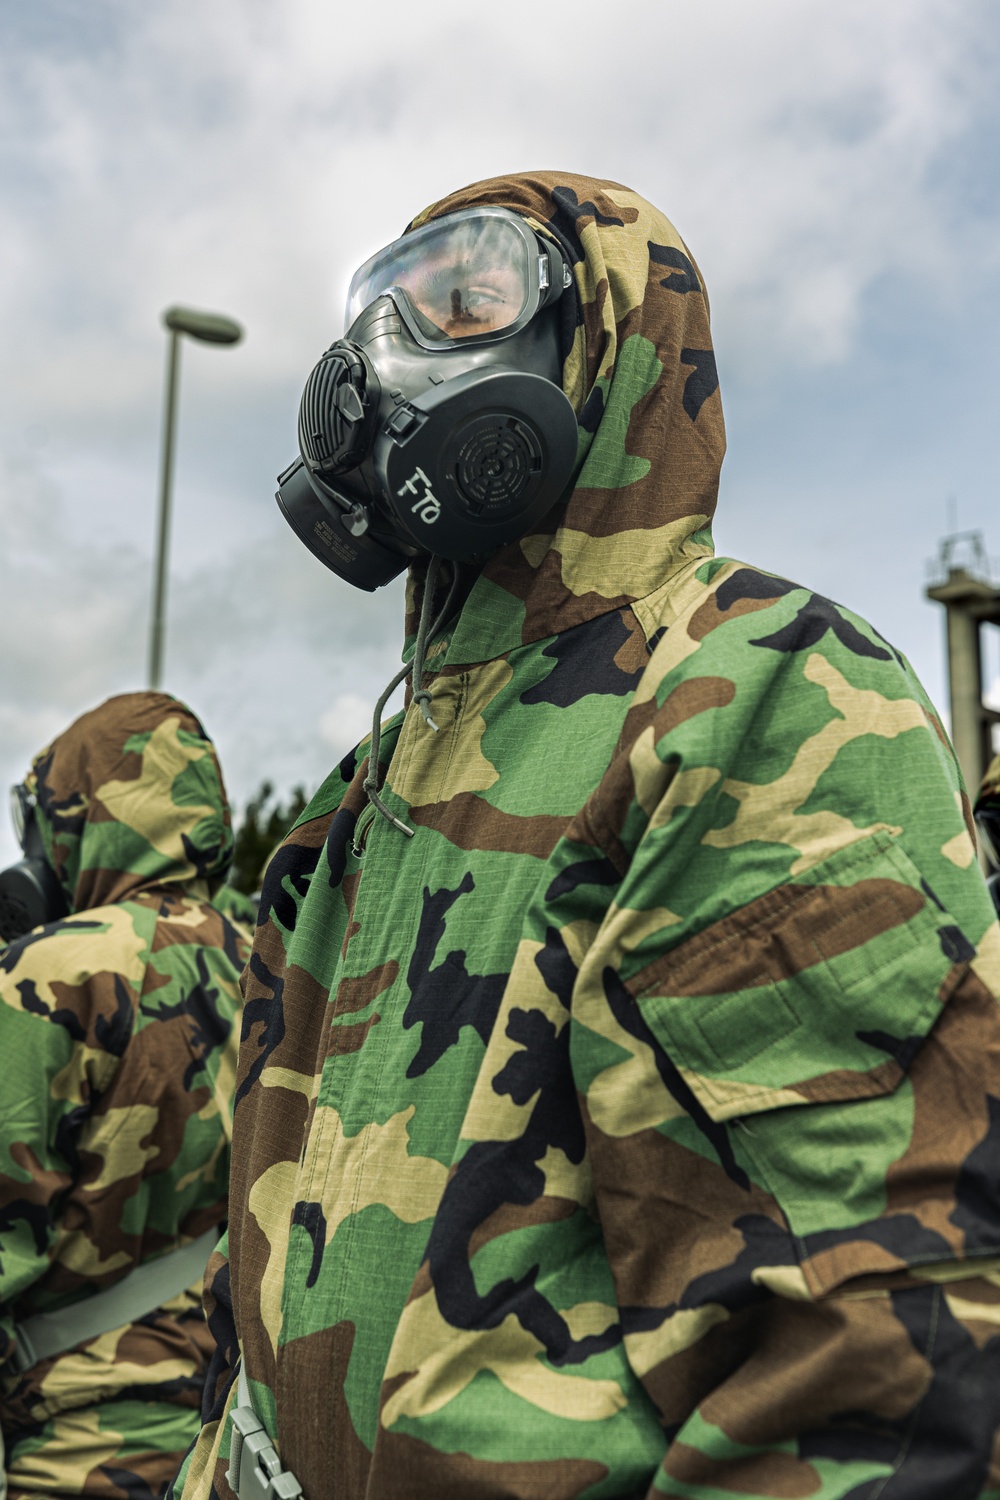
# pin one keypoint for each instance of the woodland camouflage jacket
(118, 1053)
(634, 1126)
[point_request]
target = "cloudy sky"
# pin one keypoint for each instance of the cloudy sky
(835, 169)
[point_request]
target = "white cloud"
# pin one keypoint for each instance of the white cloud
(246, 155)
(251, 154)
(346, 721)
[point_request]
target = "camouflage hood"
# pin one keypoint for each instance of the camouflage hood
(129, 796)
(640, 372)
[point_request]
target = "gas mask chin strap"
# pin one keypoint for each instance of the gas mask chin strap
(426, 630)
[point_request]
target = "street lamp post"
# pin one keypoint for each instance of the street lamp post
(209, 328)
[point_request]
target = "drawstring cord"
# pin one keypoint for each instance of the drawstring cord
(426, 630)
(420, 694)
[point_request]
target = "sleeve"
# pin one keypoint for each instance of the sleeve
(202, 1475)
(787, 1046)
(63, 1026)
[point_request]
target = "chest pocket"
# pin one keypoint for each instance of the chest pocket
(822, 994)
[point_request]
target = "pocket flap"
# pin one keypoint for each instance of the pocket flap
(819, 992)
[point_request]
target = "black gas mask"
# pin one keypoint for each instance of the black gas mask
(438, 423)
(30, 894)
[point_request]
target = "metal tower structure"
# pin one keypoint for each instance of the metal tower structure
(963, 583)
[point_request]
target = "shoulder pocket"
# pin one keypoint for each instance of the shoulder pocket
(818, 992)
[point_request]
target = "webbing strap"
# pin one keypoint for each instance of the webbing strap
(255, 1471)
(142, 1291)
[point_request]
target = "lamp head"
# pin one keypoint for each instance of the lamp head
(210, 328)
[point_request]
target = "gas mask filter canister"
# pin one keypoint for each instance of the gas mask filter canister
(438, 423)
(30, 894)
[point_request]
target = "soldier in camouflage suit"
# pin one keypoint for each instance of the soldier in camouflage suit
(119, 1053)
(633, 1128)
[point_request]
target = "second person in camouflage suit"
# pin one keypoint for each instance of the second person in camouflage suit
(118, 1052)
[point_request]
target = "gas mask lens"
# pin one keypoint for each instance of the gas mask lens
(22, 803)
(473, 273)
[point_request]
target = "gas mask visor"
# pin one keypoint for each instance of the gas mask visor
(478, 275)
(438, 423)
(30, 894)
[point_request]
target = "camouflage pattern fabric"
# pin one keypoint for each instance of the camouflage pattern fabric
(119, 1056)
(634, 1127)
(238, 907)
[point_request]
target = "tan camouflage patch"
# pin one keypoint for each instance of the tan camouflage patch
(585, 1319)
(268, 1202)
(770, 812)
(987, 960)
(63, 1464)
(440, 1361)
(274, 1077)
(117, 1136)
(78, 1253)
(564, 1179)
(429, 766)
(629, 1095)
(88, 1072)
(676, 1333)
(378, 1168)
(675, 599)
(960, 850)
(101, 1368)
(783, 1281)
(76, 955)
(163, 759)
(625, 565)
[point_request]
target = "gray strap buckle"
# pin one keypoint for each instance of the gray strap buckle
(24, 1357)
(255, 1471)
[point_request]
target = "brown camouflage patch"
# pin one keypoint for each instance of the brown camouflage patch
(801, 1371)
(782, 933)
(656, 1192)
(709, 616)
(312, 1370)
(406, 1466)
(470, 822)
(780, 1476)
(358, 991)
